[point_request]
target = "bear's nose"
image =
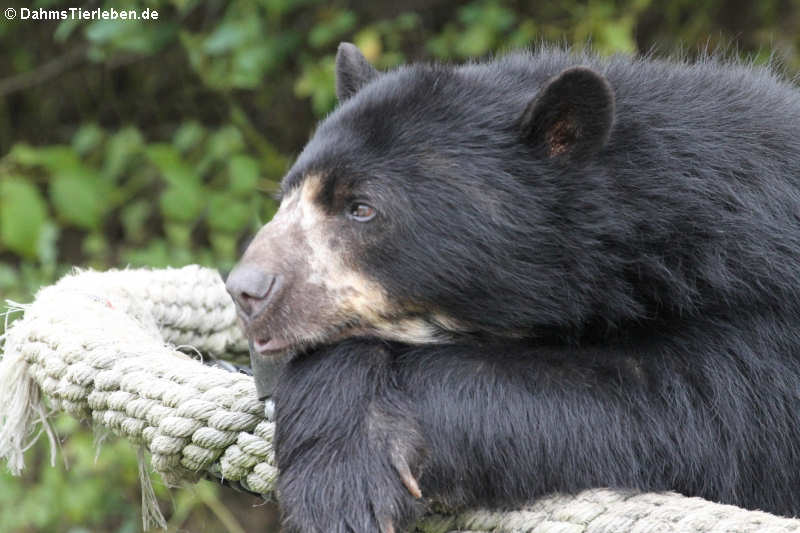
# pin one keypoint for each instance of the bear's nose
(252, 289)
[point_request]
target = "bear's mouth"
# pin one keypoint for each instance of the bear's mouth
(285, 342)
(271, 345)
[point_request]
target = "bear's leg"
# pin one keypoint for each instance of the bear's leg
(347, 444)
(708, 409)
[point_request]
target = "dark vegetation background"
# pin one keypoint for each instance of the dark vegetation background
(157, 143)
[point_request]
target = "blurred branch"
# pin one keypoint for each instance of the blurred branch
(58, 66)
(44, 73)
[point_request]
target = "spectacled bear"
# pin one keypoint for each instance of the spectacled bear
(546, 272)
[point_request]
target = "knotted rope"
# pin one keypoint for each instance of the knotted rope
(103, 346)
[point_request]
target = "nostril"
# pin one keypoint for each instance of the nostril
(251, 289)
(260, 291)
(251, 301)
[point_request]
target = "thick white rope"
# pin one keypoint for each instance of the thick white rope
(101, 346)
(98, 345)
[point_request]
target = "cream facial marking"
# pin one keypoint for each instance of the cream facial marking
(301, 218)
(353, 292)
(410, 330)
(327, 297)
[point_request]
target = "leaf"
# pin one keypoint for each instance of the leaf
(179, 234)
(226, 141)
(24, 154)
(188, 136)
(47, 250)
(23, 214)
(103, 31)
(142, 37)
(134, 218)
(617, 36)
(182, 202)
(224, 246)
(171, 165)
(523, 35)
(328, 31)
(79, 199)
(249, 65)
(369, 42)
(87, 138)
(227, 213)
(154, 255)
(231, 34)
(54, 158)
(95, 244)
(475, 41)
(317, 81)
(65, 29)
(119, 150)
(9, 278)
(407, 21)
(244, 173)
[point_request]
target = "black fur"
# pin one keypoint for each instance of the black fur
(354, 71)
(571, 116)
(341, 416)
(627, 316)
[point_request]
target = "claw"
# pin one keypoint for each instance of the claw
(387, 526)
(401, 466)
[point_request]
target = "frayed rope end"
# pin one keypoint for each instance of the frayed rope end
(21, 405)
(151, 513)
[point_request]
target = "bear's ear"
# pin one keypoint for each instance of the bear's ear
(571, 116)
(353, 71)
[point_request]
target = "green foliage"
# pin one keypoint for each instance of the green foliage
(89, 488)
(101, 495)
(161, 142)
(202, 180)
(23, 216)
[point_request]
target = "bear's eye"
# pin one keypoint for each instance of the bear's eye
(361, 212)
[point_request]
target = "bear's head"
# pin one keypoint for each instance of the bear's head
(430, 206)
